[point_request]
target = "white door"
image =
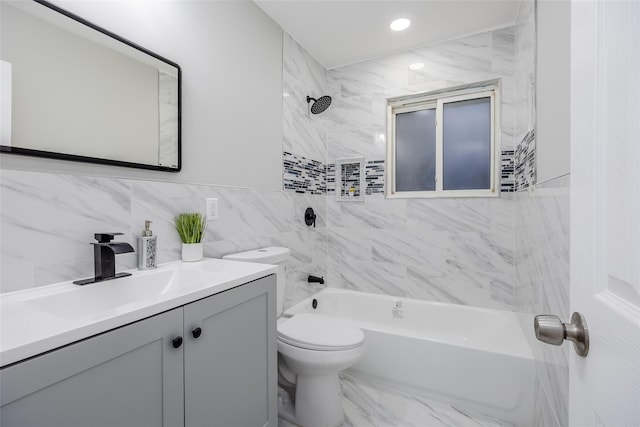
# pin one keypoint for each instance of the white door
(605, 210)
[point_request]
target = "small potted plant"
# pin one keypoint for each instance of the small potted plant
(191, 228)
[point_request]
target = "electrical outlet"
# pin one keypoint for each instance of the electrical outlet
(212, 209)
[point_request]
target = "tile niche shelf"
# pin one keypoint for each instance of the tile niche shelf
(350, 182)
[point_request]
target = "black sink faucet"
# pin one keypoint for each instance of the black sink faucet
(104, 258)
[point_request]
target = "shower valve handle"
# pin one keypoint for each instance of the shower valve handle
(310, 217)
(550, 329)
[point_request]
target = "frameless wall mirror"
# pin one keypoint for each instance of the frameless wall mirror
(72, 90)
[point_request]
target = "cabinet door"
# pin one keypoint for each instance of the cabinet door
(230, 369)
(130, 376)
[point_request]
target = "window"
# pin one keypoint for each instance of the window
(443, 145)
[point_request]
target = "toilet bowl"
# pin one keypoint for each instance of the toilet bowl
(316, 348)
(312, 350)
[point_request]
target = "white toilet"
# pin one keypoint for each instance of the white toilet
(312, 350)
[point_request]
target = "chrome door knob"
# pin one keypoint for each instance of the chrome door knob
(550, 329)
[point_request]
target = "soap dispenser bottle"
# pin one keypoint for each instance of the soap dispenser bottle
(147, 247)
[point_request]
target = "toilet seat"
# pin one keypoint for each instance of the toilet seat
(320, 333)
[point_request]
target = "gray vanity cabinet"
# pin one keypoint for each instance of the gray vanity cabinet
(131, 376)
(223, 374)
(231, 368)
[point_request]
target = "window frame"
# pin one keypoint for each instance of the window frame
(437, 100)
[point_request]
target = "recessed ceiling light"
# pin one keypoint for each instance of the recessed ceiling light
(400, 24)
(416, 66)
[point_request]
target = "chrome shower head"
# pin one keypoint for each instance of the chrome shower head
(319, 105)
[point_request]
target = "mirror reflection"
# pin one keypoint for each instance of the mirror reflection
(75, 91)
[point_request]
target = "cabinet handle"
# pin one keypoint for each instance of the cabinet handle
(176, 342)
(196, 332)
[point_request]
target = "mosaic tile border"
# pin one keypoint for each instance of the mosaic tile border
(303, 175)
(331, 178)
(525, 162)
(374, 177)
(507, 171)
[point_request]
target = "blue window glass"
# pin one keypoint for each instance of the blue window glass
(416, 151)
(466, 150)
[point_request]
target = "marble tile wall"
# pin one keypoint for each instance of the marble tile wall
(304, 134)
(542, 237)
(48, 220)
(543, 413)
(451, 250)
(524, 111)
(304, 142)
(542, 280)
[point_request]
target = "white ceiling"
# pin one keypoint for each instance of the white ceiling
(341, 32)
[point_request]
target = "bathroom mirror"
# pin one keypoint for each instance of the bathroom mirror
(74, 91)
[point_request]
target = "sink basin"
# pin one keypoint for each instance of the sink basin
(33, 321)
(120, 294)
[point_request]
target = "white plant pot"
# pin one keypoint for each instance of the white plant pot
(191, 252)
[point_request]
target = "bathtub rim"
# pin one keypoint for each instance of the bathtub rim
(523, 349)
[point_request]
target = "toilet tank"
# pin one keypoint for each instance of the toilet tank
(271, 255)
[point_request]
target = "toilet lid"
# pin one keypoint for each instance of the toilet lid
(319, 332)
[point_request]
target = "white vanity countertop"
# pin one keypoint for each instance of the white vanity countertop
(37, 320)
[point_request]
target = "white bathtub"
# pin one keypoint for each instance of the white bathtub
(475, 358)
